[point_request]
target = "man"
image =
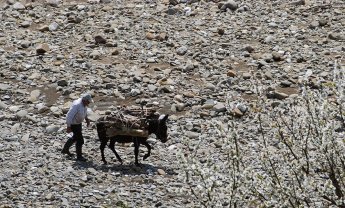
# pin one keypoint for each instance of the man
(75, 116)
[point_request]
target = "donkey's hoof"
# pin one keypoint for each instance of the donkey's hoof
(105, 162)
(145, 157)
(120, 160)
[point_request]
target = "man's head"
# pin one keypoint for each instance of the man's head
(86, 99)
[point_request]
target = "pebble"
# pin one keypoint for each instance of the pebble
(18, 6)
(52, 129)
(161, 172)
(3, 106)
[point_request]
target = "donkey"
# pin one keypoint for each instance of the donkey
(156, 125)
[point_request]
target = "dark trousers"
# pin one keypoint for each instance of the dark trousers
(77, 135)
(77, 139)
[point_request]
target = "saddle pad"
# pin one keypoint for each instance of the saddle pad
(112, 131)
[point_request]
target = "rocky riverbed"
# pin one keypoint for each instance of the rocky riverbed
(198, 61)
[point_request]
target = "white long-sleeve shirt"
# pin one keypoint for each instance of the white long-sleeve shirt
(77, 113)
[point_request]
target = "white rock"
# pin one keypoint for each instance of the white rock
(53, 3)
(172, 147)
(3, 106)
(53, 26)
(4, 87)
(22, 113)
(41, 107)
(219, 107)
(18, 6)
(93, 1)
(52, 129)
(35, 94)
(178, 98)
(14, 108)
(14, 128)
(26, 137)
(192, 135)
(55, 109)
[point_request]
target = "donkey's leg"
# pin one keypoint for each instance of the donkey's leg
(148, 149)
(136, 150)
(112, 147)
(101, 131)
(102, 147)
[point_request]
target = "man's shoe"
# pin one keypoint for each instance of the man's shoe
(65, 149)
(67, 152)
(81, 158)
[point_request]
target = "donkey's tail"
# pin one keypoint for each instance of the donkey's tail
(101, 131)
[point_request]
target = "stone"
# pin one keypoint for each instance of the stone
(182, 50)
(243, 108)
(162, 37)
(21, 114)
(249, 49)
(277, 56)
(25, 24)
(14, 108)
(42, 48)
(52, 129)
(53, 26)
(314, 24)
(18, 6)
(230, 4)
(15, 128)
(4, 87)
(192, 135)
(115, 52)
(3, 106)
(277, 95)
(220, 31)
(25, 44)
(336, 36)
(41, 108)
(231, 73)
(49, 197)
(34, 95)
(150, 36)
(161, 172)
(53, 3)
(237, 112)
(26, 137)
(219, 107)
(62, 83)
(44, 28)
(99, 39)
(246, 75)
(96, 55)
(323, 22)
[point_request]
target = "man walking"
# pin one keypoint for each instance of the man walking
(75, 116)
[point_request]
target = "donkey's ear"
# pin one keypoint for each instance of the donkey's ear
(165, 118)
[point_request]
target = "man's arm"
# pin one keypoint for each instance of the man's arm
(87, 121)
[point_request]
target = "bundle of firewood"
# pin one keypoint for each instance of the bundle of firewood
(131, 122)
(145, 112)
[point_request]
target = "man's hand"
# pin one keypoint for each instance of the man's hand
(87, 122)
(69, 130)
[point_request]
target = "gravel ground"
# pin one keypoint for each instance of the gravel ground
(197, 61)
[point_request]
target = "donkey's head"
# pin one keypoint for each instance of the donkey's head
(159, 127)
